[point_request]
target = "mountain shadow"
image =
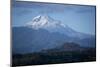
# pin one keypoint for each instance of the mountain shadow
(67, 53)
(27, 40)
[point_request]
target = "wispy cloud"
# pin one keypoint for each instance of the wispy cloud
(42, 7)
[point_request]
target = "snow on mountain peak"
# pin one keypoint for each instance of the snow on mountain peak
(40, 17)
(47, 23)
(50, 24)
(44, 21)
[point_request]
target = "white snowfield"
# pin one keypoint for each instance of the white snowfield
(52, 25)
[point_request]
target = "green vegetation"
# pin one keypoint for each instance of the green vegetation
(53, 57)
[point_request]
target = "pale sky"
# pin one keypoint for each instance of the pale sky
(78, 17)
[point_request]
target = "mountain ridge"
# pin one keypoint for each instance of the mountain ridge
(28, 39)
(48, 23)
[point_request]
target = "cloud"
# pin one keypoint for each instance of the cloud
(38, 7)
(42, 7)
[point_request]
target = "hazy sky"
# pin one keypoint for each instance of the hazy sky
(79, 18)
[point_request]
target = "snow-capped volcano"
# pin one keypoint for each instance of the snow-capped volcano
(48, 23)
(44, 32)
(44, 21)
